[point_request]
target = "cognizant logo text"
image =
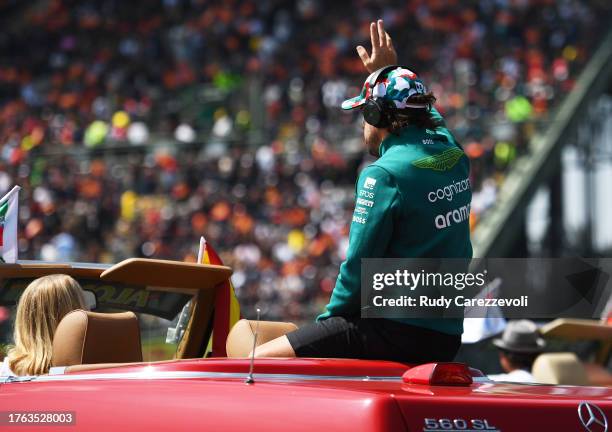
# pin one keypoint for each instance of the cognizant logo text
(448, 192)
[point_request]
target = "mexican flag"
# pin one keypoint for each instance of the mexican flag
(8, 225)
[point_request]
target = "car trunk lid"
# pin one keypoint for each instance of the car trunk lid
(488, 406)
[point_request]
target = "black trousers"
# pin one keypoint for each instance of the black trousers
(373, 339)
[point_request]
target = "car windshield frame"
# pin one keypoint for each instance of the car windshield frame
(139, 285)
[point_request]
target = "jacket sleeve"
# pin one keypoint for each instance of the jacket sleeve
(376, 203)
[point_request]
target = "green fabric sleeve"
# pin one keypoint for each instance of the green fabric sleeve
(376, 202)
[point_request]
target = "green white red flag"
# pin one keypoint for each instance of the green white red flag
(8, 225)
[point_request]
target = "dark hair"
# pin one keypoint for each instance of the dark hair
(419, 117)
(520, 360)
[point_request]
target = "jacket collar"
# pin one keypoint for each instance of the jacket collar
(392, 140)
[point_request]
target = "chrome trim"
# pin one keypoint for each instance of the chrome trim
(95, 266)
(14, 378)
(198, 375)
(481, 380)
(594, 419)
(57, 374)
(74, 265)
(57, 370)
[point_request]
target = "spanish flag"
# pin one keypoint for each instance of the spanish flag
(227, 308)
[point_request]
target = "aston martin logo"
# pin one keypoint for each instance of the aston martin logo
(592, 417)
(441, 161)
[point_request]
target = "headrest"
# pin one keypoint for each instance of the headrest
(240, 338)
(559, 368)
(90, 337)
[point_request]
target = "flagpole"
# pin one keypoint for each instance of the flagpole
(201, 250)
(10, 193)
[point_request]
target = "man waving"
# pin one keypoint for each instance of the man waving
(399, 213)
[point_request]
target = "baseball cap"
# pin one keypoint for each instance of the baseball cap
(397, 86)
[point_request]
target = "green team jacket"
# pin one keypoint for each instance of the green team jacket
(413, 202)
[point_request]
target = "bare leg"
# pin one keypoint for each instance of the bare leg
(279, 347)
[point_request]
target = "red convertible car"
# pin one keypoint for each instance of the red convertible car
(108, 374)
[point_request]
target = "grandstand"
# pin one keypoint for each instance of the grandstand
(136, 127)
(581, 122)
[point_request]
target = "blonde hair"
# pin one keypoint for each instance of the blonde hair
(41, 307)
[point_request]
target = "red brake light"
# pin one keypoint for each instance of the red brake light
(439, 374)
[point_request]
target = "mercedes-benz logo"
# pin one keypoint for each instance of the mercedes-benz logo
(592, 417)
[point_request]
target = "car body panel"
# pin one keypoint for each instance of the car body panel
(287, 394)
(296, 394)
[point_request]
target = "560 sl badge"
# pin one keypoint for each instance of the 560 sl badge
(458, 424)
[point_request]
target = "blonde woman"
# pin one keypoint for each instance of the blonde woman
(41, 307)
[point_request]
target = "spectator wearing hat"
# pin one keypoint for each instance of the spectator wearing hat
(519, 346)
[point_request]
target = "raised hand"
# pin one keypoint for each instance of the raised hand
(383, 52)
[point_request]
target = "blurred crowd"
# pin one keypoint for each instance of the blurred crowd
(135, 127)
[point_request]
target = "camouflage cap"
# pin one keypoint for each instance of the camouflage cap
(397, 85)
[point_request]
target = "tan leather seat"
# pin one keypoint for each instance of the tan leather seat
(240, 338)
(559, 368)
(90, 337)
